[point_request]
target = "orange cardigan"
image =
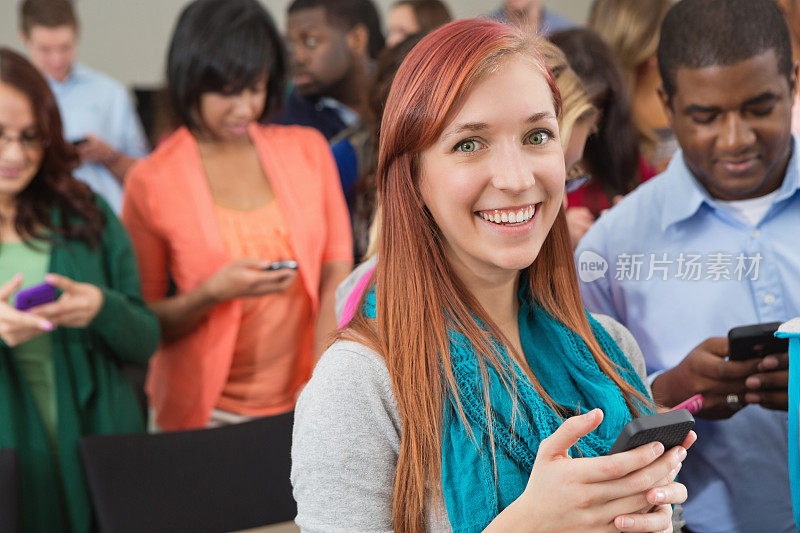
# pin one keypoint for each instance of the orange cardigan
(169, 213)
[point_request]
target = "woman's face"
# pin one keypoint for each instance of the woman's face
(21, 151)
(225, 117)
(494, 179)
(401, 23)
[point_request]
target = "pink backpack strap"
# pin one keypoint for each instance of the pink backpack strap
(351, 305)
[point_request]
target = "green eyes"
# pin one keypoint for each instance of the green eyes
(535, 138)
(468, 146)
(538, 137)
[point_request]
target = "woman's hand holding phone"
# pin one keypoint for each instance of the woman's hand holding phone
(243, 278)
(629, 491)
(77, 306)
(17, 326)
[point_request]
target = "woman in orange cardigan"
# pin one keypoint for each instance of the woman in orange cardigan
(221, 200)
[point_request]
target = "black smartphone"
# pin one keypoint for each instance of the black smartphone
(278, 265)
(670, 429)
(78, 142)
(755, 341)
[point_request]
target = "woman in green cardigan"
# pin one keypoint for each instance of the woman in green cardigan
(60, 373)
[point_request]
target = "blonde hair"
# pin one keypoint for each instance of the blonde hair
(576, 106)
(632, 29)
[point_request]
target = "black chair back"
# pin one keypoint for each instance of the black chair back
(9, 492)
(209, 480)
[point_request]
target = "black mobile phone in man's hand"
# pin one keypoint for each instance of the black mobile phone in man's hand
(755, 341)
(670, 429)
(78, 142)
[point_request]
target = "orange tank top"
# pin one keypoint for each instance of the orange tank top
(274, 345)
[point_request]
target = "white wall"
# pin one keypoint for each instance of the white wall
(128, 38)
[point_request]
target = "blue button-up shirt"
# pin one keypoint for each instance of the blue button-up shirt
(92, 103)
(676, 267)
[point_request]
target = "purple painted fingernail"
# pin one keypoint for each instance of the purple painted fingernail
(47, 326)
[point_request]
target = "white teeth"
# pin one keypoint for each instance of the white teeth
(513, 217)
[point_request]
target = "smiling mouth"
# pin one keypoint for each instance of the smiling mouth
(11, 173)
(739, 165)
(512, 216)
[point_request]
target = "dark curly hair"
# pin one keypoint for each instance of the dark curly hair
(52, 189)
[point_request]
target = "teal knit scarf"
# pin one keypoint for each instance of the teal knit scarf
(566, 369)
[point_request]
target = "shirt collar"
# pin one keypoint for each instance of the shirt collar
(347, 115)
(76, 73)
(687, 194)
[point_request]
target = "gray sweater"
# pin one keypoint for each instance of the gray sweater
(347, 439)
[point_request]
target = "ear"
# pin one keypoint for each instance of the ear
(23, 37)
(793, 79)
(358, 40)
(666, 103)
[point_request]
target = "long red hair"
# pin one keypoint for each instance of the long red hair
(418, 297)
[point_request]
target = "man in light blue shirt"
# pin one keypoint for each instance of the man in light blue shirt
(711, 244)
(96, 110)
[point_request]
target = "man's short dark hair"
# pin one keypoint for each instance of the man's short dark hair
(346, 14)
(224, 46)
(704, 33)
(47, 13)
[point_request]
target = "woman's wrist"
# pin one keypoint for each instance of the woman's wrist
(206, 295)
(516, 517)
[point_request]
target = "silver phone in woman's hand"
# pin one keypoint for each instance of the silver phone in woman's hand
(278, 265)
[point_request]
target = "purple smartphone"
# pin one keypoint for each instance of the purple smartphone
(33, 296)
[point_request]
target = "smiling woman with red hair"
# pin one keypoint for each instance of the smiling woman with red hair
(457, 396)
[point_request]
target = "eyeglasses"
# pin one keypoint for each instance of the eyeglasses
(28, 142)
(577, 177)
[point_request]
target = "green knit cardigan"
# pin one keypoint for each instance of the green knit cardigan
(93, 394)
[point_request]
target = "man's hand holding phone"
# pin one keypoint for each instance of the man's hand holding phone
(726, 385)
(706, 370)
(769, 386)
